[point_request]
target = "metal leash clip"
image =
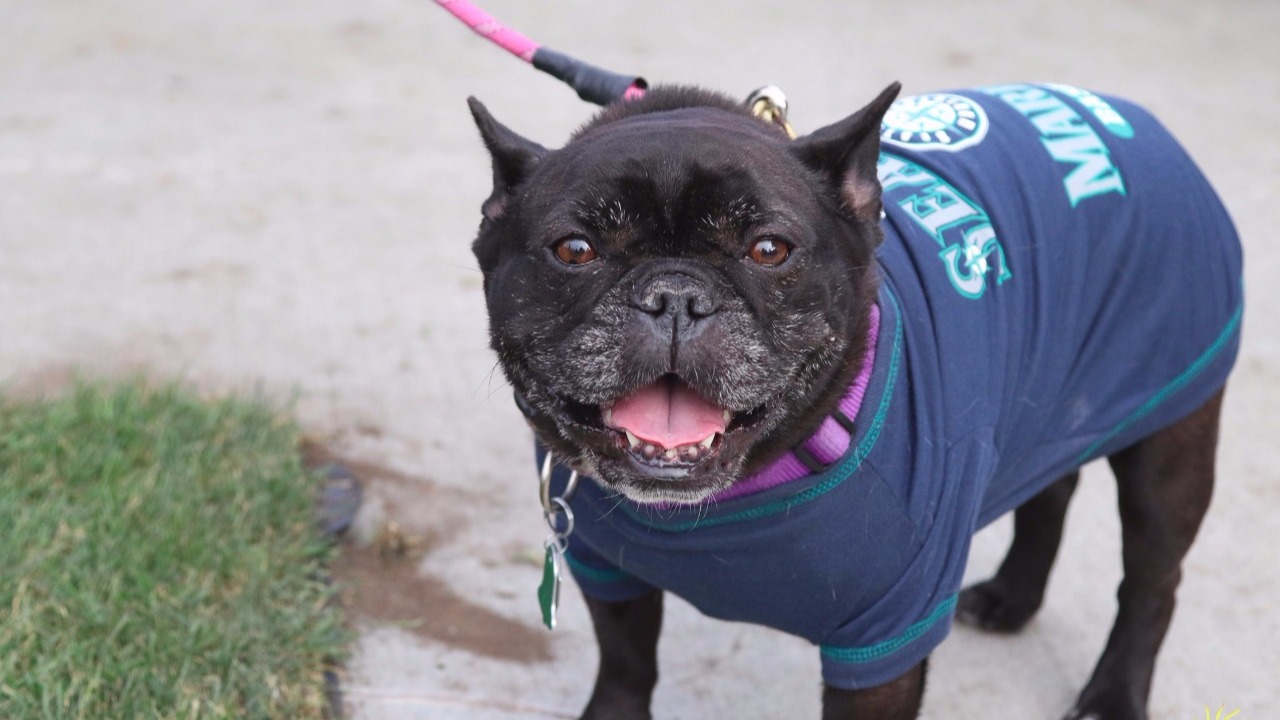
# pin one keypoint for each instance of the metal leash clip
(769, 103)
(557, 540)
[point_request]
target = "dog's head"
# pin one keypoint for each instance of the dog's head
(680, 293)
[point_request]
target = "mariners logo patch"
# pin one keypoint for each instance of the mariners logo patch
(937, 121)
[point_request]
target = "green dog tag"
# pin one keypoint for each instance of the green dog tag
(549, 590)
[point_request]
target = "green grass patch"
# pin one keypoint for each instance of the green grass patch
(159, 559)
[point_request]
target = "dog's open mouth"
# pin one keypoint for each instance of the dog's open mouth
(666, 430)
(666, 425)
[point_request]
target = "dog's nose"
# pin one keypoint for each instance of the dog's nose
(675, 298)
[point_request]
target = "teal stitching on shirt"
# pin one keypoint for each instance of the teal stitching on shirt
(868, 653)
(1173, 386)
(594, 574)
(838, 474)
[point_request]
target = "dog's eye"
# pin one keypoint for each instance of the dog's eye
(574, 251)
(769, 251)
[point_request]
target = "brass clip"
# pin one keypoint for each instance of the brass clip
(770, 104)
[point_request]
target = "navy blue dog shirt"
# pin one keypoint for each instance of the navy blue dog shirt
(1058, 281)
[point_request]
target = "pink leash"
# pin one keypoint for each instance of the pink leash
(593, 84)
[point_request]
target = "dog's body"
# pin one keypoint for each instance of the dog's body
(1057, 283)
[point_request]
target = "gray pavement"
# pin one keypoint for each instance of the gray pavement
(280, 197)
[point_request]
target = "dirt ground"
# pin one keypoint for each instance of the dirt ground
(280, 197)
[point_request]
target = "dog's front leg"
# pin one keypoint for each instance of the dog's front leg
(895, 700)
(628, 636)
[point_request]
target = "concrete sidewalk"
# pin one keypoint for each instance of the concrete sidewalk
(282, 196)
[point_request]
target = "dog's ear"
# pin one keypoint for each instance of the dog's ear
(846, 153)
(513, 157)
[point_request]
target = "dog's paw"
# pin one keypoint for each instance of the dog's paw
(1115, 703)
(626, 714)
(995, 607)
(1078, 714)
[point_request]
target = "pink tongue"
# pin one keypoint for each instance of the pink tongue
(668, 414)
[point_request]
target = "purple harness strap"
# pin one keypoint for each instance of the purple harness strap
(827, 445)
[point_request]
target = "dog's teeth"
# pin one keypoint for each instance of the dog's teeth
(689, 452)
(632, 440)
(648, 451)
(727, 416)
(670, 454)
(706, 443)
(607, 415)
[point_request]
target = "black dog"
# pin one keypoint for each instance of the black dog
(802, 373)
